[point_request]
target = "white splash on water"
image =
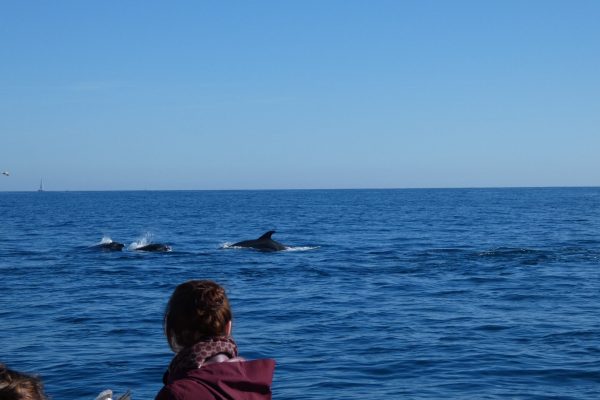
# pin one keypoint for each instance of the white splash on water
(106, 240)
(229, 245)
(141, 242)
(301, 248)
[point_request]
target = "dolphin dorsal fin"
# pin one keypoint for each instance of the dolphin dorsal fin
(267, 235)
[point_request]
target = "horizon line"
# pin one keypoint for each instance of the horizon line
(310, 189)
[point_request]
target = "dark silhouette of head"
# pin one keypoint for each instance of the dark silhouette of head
(197, 310)
(19, 386)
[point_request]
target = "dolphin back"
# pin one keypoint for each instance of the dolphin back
(111, 246)
(154, 247)
(263, 243)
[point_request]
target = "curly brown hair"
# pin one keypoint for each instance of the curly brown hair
(197, 309)
(19, 386)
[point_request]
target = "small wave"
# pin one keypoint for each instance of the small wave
(491, 327)
(229, 245)
(523, 255)
(508, 252)
(301, 248)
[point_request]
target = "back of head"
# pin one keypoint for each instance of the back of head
(18, 386)
(197, 310)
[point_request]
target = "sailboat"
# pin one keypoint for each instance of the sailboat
(41, 189)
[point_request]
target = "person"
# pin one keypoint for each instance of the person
(19, 386)
(197, 325)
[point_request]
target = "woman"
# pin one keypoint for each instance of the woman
(197, 324)
(19, 386)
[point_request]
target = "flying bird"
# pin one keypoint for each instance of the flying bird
(5, 173)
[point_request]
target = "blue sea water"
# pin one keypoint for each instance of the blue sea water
(416, 294)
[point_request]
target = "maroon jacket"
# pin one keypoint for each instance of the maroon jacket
(234, 380)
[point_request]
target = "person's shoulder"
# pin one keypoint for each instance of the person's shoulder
(182, 389)
(252, 371)
(263, 364)
(233, 379)
(166, 394)
(241, 364)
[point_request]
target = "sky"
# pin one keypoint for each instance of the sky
(178, 95)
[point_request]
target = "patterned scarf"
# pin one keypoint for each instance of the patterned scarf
(194, 357)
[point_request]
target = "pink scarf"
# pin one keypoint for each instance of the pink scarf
(195, 356)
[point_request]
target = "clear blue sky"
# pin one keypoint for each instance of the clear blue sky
(103, 95)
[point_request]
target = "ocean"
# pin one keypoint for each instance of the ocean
(398, 294)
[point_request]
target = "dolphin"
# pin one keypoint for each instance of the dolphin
(109, 246)
(154, 247)
(263, 243)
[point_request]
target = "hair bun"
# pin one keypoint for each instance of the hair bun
(209, 297)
